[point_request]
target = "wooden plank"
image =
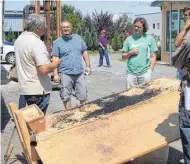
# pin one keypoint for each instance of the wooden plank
(126, 135)
(26, 137)
(13, 108)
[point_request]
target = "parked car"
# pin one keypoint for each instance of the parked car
(8, 52)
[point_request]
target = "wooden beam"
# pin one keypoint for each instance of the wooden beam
(49, 38)
(58, 18)
(37, 6)
(13, 108)
(30, 152)
(26, 136)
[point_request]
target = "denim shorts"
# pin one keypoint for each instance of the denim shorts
(70, 83)
(42, 101)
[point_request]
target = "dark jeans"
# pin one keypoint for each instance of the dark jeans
(22, 102)
(184, 123)
(42, 101)
(103, 52)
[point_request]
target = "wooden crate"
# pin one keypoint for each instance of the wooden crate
(34, 118)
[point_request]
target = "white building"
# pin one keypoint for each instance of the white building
(154, 21)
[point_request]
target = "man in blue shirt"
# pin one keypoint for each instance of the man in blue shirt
(71, 49)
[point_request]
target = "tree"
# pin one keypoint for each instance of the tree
(103, 21)
(74, 16)
(117, 41)
(10, 36)
(90, 37)
(121, 23)
(87, 23)
(94, 37)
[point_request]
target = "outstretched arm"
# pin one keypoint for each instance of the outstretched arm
(180, 36)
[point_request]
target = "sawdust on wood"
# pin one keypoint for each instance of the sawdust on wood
(101, 108)
(31, 113)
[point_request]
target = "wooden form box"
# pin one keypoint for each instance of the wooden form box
(34, 117)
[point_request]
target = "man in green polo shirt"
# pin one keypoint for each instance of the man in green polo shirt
(140, 50)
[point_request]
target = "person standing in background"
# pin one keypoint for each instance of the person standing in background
(103, 49)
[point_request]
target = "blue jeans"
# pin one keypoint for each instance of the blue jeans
(42, 101)
(184, 125)
(180, 74)
(103, 52)
(22, 102)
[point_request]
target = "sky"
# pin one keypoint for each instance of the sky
(115, 7)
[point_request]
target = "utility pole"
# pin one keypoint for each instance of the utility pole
(37, 6)
(48, 23)
(58, 18)
(1, 25)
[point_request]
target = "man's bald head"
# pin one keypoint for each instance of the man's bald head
(66, 28)
(66, 23)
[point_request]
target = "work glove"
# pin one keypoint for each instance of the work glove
(88, 71)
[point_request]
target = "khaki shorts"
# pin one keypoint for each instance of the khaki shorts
(73, 82)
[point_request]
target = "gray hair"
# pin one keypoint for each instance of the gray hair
(35, 21)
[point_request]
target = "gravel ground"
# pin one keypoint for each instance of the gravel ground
(102, 82)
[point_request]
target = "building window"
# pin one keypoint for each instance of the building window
(181, 21)
(158, 25)
(174, 29)
(153, 25)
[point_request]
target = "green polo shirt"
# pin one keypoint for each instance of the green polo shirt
(146, 44)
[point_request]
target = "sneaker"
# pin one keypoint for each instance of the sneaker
(109, 66)
(100, 65)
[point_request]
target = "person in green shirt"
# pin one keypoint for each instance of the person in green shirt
(140, 50)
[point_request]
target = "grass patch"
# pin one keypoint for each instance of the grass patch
(121, 60)
(97, 53)
(93, 52)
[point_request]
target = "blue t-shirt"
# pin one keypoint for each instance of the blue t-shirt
(70, 51)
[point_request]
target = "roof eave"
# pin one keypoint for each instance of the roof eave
(156, 3)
